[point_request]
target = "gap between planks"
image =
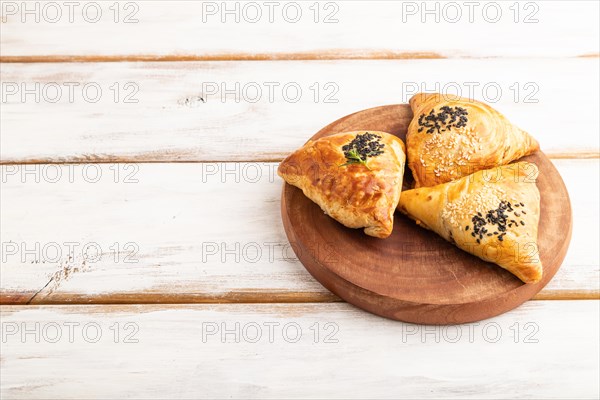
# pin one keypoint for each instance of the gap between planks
(170, 157)
(229, 298)
(295, 56)
(332, 55)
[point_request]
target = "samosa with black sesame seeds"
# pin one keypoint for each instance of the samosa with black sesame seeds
(450, 137)
(355, 177)
(493, 214)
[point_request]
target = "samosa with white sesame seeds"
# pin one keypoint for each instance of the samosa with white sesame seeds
(355, 177)
(492, 214)
(450, 137)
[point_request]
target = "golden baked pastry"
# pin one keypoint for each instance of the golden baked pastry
(451, 138)
(492, 214)
(355, 177)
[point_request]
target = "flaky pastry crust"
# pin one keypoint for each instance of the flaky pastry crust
(356, 195)
(486, 140)
(493, 214)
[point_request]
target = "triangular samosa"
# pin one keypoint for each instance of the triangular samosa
(450, 137)
(493, 214)
(355, 177)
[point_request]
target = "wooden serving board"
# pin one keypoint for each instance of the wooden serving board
(414, 275)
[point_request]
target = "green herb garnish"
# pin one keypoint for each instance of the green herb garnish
(361, 148)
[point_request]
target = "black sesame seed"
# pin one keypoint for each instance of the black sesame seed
(522, 223)
(497, 218)
(362, 147)
(446, 118)
(467, 228)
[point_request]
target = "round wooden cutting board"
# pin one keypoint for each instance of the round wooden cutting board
(415, 275)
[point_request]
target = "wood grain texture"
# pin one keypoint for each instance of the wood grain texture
(386, 28)
(414, 275)
(543, 349)
(177, 119)
(204, 233)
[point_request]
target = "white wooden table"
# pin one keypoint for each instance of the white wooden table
(143, 253)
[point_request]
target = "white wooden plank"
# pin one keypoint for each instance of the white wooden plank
(343, 29)
(200, 233)
(557, 101)
(543, 349)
